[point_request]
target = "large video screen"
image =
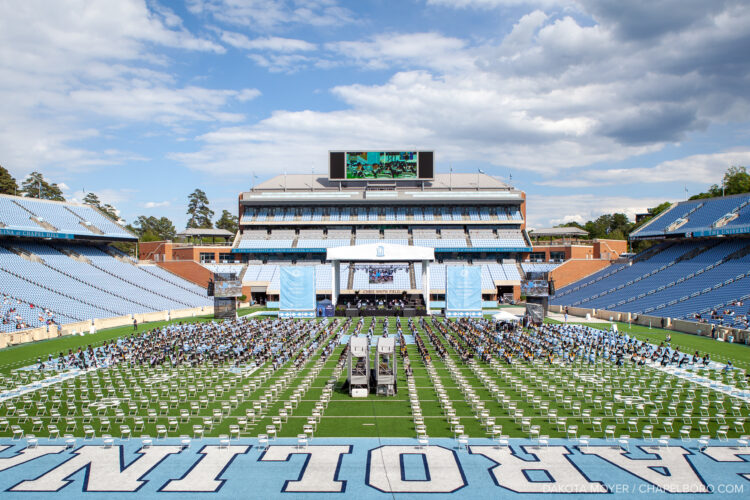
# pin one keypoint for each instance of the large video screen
(381, 165)
(535, 288)
(227, 288)
(380, 274)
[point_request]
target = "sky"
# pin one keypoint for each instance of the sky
(589, 106)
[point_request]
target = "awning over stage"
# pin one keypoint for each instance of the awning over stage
(380, 252)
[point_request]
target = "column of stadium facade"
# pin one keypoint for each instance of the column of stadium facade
(426, 284)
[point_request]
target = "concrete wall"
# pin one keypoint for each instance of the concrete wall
(677, 325)
(613, 315)
(155, 250)
(188, 270)
(41, 333)
(609, 249)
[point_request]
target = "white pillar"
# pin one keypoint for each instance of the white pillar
(426, 284)
(335, 282)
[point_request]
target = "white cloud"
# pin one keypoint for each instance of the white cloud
(156, 204)
(492, 4)
(273, 43)
(106, 195)
(555, 93)
(431, 50)
(69, 61)
(265, 15)
(282, 63)
(547, 211)
(166, 105)
(245, 95)
(703, 169)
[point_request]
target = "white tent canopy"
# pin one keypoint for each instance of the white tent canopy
(505, 316)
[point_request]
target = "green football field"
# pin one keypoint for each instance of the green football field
(446, 397)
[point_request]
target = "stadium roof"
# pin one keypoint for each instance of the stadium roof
(446, 187)
(558, 231)
(205, 233)
(305, 182)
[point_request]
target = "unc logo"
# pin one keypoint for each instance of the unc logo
(381, 252)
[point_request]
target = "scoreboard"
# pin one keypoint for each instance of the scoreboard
(380, 165)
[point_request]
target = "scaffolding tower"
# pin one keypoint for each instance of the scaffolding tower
(359, 366)
(385, 366)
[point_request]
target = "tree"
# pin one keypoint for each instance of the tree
(200, 214)
(736, 181)
(153, 229)
(227, 221)
(93, 200)
(35, 186)
(8, 184)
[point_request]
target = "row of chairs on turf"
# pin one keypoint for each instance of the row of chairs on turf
(308, 429)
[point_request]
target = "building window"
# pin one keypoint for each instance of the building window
(556, 256)
(226, 257)
(207, 257)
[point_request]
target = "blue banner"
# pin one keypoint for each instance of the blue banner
(35, 234)
(463, 288)
(297, 285)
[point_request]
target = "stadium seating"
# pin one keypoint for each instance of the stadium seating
(538, 267)
(677, 280)
(322, 243)
(259, 244)
(19, 213)
(694, 216)
(222, 268)
(82, 282)
(441, 243)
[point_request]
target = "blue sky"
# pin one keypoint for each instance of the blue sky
(592, 105)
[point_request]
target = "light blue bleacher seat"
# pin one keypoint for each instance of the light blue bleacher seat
(261, 244)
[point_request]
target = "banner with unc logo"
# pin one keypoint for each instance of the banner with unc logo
(463, 291)
(297, 290)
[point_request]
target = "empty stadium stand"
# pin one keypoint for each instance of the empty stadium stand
(57, 218)
(55, 268)
(706, 279)
(707, 217)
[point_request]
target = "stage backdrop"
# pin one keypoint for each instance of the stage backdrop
(463, 291)
(297, 290)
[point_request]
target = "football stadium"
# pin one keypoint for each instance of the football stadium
(378, 335)
(374, 249)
